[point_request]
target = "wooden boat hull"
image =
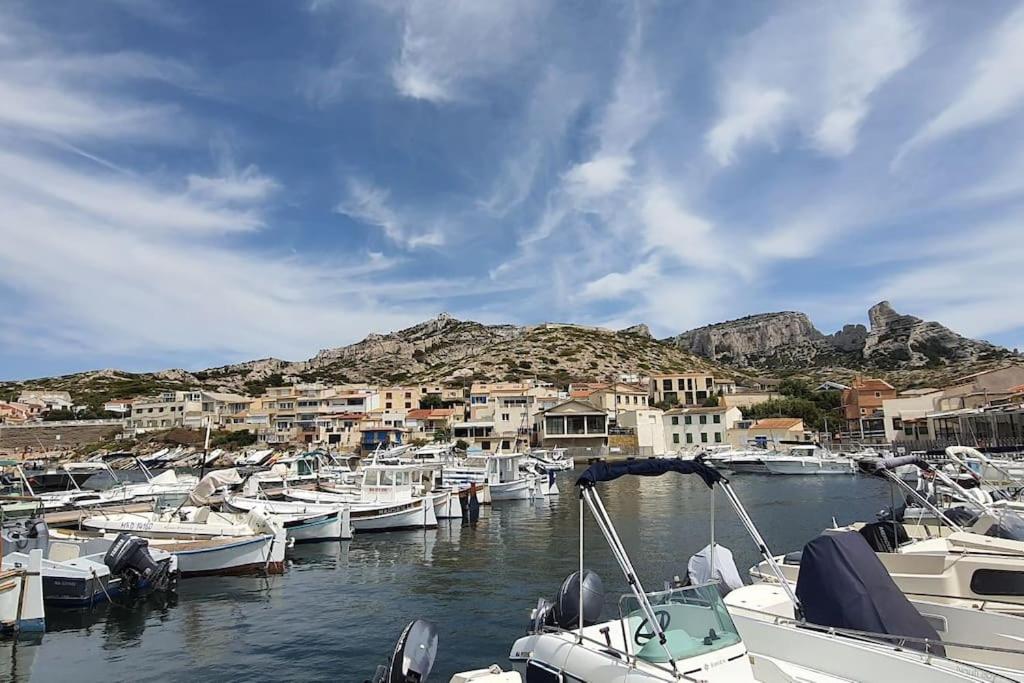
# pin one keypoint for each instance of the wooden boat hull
(519, 489)
(414, 514)
(255, 555)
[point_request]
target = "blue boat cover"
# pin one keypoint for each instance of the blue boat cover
(602, 471)
(843, 584)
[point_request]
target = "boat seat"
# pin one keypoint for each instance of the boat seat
(62, 552)
(202, 514)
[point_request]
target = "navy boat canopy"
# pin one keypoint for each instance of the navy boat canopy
(843, 584)
(602, 471)
(876, 465)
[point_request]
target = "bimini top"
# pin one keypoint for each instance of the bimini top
(877, 465)
(843, 584)
(602, 471)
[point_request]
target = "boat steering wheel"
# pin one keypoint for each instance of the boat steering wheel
(640, 636)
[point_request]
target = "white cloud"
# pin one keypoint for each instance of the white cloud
(599, 176)
(816, 66)
(370, 204)
(995, 91)
(246, 186)
(752, 115)
(444, 50)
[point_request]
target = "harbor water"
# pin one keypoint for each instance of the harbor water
(335, 614)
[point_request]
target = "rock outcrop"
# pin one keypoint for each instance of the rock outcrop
(788, 341)
(767, 339)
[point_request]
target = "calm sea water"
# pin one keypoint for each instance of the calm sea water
(335, 614)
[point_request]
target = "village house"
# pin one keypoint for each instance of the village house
(686, 428)
(425, 422)
(119, 406)
(341, 430)
(47, 400)
(15, 413)
(773, 432)
(861, 406)
(648, 426)
(619, 397)
(573, 424)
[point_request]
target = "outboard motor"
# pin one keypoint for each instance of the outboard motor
(884, 537)
(567, 606)
(413, 657)
(129, 558)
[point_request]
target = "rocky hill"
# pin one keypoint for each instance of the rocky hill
(438, 349)
(899, 347)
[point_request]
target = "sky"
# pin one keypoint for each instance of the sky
(188, 184)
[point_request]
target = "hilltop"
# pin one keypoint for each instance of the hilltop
(903, 349)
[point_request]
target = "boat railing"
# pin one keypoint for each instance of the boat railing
(630, 659)
(901, 641)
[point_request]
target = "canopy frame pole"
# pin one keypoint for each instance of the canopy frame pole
(948, 481)
(608, 529)
(952, 455)
(921, 498)
(712, 556)
(580, 615)
(762, 547)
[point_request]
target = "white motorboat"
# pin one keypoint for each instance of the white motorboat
(808, 459)
(21, 597)
(551, 458)
(387, 500)
(686, 633)
(749, 460)
(302, 522)
(502, 476)
(73, 579)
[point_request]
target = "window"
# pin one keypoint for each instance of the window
(689, 438)
(688, 420)
(387, 395)
(897, 424)
(675, 438)
(666, 384)
(997, 582)
(505, 417)
(486, 445)
(595, 424)
(408, 394)
(387, 406)
(689, 383)
(618, 399)
(716, 418)
(908, 429)
(408, 405)
(718, 437)
(708, 383)
(505, 445)
(635, 400)
(703, 419)
(675, 419)
(878, 394)
(554, 425)
(703, 437)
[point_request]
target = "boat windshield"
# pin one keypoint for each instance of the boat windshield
(1009, 526)
(694, 619)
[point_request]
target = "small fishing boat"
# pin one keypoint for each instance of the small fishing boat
(551, 458)
(303, 522)
(21, 597)
(73, 579)
(501, 474)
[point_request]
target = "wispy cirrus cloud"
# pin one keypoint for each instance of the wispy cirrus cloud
(821, 82)
(370, 204)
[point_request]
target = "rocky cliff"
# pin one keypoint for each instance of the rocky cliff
(788, 342)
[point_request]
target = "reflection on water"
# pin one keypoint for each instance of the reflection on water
(334, 615)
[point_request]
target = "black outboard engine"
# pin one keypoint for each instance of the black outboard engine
(413, 657)
(129, 558)
(884, 537)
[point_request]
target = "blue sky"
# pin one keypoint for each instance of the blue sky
(189, 184)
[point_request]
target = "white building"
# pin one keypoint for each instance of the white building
(648, 425)
(688, 428)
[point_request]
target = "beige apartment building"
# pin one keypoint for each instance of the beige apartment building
(687, 389)
(688, 428)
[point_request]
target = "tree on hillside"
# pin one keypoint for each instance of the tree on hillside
(805, 409)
